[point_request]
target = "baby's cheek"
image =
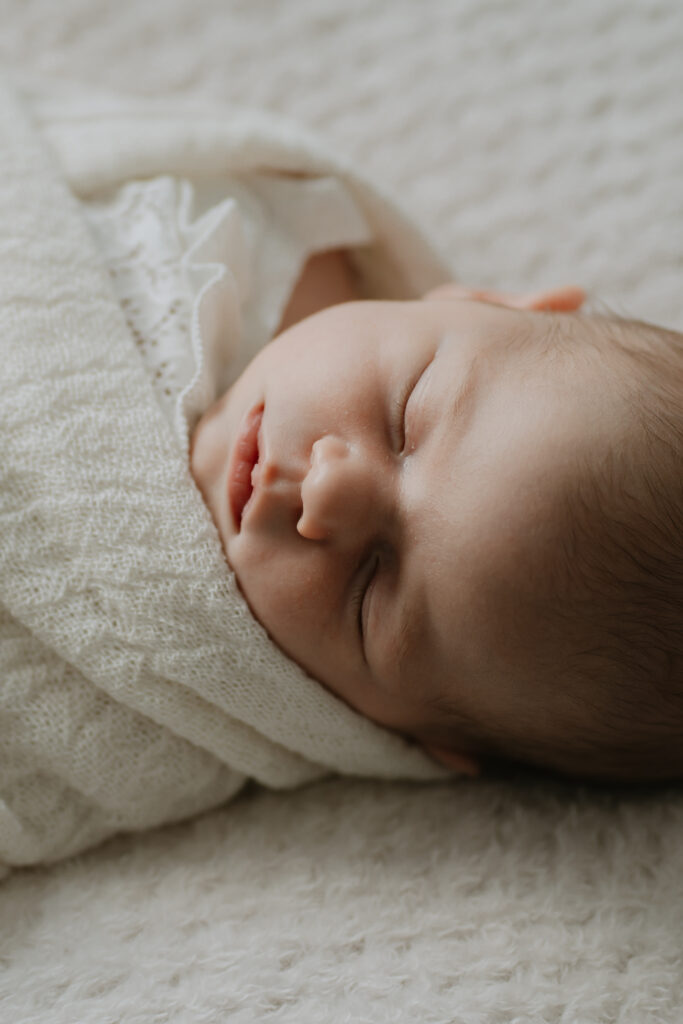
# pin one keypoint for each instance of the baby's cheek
(207, 455)
(263, 578)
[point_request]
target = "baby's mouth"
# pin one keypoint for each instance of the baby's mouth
(245, 456)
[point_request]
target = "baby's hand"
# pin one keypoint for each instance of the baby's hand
(326, 280)
(557, 300)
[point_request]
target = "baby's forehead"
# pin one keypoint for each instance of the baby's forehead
(603, 330)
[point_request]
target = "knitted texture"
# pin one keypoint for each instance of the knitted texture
(537, 142)
(137, 688)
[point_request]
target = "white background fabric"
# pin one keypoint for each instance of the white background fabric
(540, 143)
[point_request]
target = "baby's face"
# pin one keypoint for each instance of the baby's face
(387, 480)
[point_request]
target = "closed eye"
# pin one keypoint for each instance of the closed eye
(360, 596)
(400, 407)
(400, 416)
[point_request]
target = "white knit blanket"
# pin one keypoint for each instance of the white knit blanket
(136, 688)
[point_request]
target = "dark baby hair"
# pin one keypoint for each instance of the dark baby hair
(617, 583)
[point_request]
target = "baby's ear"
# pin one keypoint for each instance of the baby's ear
(461, 763)
(557, 300)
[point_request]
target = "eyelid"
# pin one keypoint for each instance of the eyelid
(402, 405)
(365, 603)
(359, 597)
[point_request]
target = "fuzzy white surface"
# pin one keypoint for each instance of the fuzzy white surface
(540, 143)
(486, 903)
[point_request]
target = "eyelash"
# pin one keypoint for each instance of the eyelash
(359, 593)
(401, 406)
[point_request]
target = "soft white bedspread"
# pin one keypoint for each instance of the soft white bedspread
(540, 143)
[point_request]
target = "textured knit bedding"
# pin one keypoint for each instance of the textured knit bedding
(137, 688)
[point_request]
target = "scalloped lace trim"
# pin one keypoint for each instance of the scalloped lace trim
(203, 274)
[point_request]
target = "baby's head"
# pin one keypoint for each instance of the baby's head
(466, 520)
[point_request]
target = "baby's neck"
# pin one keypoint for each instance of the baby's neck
(327, 279)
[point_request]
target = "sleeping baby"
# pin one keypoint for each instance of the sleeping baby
(278, 501)
(463, 515)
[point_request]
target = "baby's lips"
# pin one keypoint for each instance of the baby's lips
(245, 455)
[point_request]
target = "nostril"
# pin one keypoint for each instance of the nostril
(310, 528)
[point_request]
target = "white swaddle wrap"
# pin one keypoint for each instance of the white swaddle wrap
(203, 284)
(135, 686)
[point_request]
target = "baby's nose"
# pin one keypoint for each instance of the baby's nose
(339, 492)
